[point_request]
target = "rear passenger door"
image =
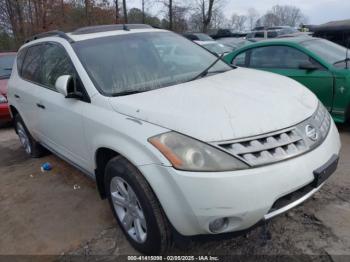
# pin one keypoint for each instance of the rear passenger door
(25, 89)
(286, 60)
(60, 119)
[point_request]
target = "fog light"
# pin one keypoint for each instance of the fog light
(218, 225)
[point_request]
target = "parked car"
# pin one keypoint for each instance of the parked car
(335, 31)
(234, 42)
(198, 37)
(193, 148)
(316, 63)
(274, 32)
(6, 62)
(220, 33)
(215, 47)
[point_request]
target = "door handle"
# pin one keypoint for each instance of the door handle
(40, 106)
(17, 96)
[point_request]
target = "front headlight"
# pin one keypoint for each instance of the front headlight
(188, 154)
(3, 99)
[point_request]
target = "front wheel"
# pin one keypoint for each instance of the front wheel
(136, 208)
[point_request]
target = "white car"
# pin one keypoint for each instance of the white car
(178, 148)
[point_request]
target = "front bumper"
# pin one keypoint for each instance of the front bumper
(4, 113)
(191, 200)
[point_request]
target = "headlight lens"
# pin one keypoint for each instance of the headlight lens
(3, 99)
(188, 154)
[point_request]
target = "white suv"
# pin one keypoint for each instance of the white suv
(176, 139)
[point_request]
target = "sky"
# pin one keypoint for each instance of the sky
(317, 11)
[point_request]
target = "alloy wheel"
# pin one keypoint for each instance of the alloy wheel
(128, 209)
(23, 137)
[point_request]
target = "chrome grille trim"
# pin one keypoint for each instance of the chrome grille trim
(282, 144)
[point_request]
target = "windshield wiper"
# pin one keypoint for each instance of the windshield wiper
(129, 92)
(346, 60)
(206, 71)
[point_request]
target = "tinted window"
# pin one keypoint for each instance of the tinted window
(55, 63)
(31, 64)
(277, 57)
(327, 50)
(6, 63)
(20, 58)
(240, 59)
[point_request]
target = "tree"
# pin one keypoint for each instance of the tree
(170, 14)
(238, 22)
(283, 15)
(203, 12)
(143, 12)
(252, 17)
(207, 15)
(125, 12)
(168, 21)
(87, 15)
(116, 3)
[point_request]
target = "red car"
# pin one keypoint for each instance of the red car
(6, 63)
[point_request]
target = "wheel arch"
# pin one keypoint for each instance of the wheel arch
(102, 156)
(13, 111)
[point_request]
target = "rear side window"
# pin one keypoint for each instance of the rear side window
(55, 63)
(31, 64)
(240, 60)
(282, 57)
(20, 58)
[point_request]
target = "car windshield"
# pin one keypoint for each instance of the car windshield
(327, 50)
(6, 63)
(139, 62)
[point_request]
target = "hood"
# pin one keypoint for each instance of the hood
(231, 105)
(3, 86)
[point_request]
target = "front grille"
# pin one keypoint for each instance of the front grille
(283, 144)
(268, 149)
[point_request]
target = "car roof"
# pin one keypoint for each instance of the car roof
(81, 37)
(282, 40)
(92, 32)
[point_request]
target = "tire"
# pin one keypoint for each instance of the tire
(347, 115)
(144, 211)
(30, 145)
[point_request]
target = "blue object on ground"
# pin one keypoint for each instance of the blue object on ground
(46, 167)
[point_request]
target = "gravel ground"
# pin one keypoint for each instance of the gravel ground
(42, 213)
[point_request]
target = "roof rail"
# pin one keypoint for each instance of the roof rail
(50, 33)
(105, 28)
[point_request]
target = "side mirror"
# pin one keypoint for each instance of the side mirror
(66, 86)
(308, 66)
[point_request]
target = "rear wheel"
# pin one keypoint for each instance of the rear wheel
(347, 115)
(32, 147)
(136, 208)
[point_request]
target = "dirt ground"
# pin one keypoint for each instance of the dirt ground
(60, 212)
